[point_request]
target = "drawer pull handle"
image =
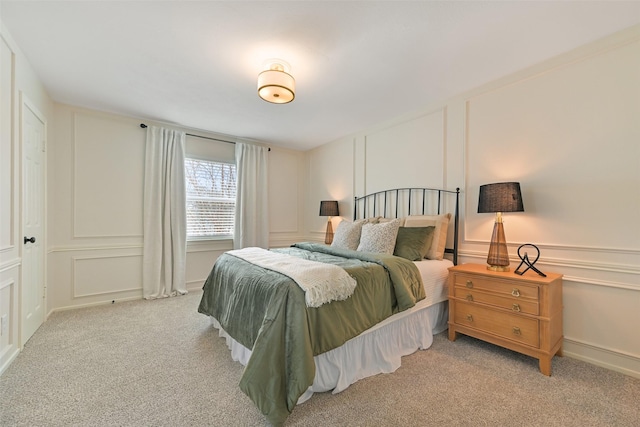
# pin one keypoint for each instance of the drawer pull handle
(515, 293)
(516, 307)
(516, 331)
(469, 297)
(469, 284)
(469, 318)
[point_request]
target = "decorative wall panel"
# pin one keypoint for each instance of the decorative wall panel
(570, 137)
(108, 177)
(409, 154)
(109, 274)
(8, 195)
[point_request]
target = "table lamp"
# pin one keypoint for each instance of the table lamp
(499, 197)
(329, 208)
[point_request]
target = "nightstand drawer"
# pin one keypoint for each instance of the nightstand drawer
(510, 326)
(502, 287)
(516, 305)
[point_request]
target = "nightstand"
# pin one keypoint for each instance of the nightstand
(521, 313)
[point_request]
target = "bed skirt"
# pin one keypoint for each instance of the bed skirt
(377, 350)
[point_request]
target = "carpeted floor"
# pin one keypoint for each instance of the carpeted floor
(160, 363)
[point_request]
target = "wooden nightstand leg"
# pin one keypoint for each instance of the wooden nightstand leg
(452, 334)
(559, 352)
(545, 365)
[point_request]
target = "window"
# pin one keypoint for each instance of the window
(211, 198)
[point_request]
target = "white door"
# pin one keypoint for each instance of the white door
(33, 166)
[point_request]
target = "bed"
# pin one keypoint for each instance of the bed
(293, 344)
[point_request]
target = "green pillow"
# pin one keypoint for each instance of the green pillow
(413, 243)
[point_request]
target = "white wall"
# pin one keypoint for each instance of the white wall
(568, 131)
(18, 84)
(95, 221)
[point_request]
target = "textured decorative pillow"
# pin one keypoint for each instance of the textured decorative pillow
(379, 238)
(347, 235)
(441, 222)
(413, 243)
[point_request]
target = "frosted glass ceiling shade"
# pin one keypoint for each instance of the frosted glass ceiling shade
(276, 86)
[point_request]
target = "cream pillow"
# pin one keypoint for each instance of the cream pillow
(382, 219)
(441, 222)
(347, 235)
(379, 238)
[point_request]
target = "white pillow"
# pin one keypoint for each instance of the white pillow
(379, 238)
(347, 235)
(441, 222)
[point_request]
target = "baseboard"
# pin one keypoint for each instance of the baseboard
(626, 364)
(195, 285)
(8, 360)
(93, 304)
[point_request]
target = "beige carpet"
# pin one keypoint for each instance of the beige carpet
(160, 363)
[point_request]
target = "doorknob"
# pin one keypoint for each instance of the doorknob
(27, 240)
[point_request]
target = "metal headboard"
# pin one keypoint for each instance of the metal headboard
(400, 202)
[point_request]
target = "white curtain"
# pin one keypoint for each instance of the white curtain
(252, 209)
(165, 217)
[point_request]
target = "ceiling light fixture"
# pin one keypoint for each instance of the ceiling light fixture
(275, 84)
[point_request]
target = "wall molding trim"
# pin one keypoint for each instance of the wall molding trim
(560, 262)
(593, 282)
(92, 248)
(94, 304)
(13, 263)
(192, 246)
(583, 53)
(9, 247)
(7, 283)
(573, 264)
(618, 361)
(554, 246)
(195, 285)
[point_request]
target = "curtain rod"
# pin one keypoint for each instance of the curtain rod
(143, 126)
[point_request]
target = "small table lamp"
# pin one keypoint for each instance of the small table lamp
(329, 208)
(498, 198)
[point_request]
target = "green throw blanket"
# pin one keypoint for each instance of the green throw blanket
(265, 311)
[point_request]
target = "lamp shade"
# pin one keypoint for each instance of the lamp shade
(276, 86)
(500, 197)
(329, 208)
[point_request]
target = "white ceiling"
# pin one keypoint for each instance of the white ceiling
(356, 63)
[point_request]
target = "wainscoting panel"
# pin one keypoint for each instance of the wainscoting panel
(105, 275)
(199, 265)
(9, 327)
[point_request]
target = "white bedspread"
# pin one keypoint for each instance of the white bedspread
(321, 282)
(434, 277)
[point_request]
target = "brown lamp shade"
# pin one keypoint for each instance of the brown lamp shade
(329, 208)
(499, 197)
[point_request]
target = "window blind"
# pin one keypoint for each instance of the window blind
(211, 198)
